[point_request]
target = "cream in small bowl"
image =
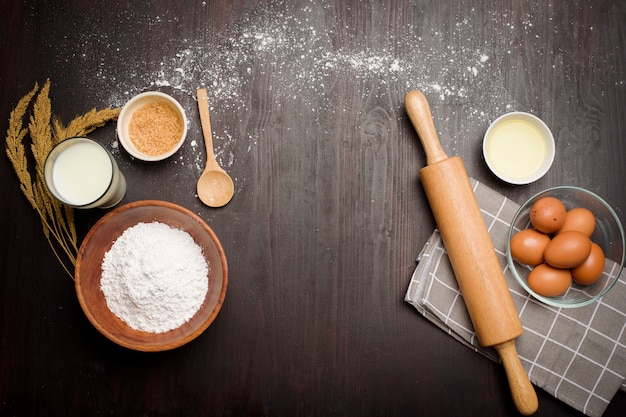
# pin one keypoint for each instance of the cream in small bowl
(518, 148)
(152, 126)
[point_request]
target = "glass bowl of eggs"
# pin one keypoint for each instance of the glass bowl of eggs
(566, 247)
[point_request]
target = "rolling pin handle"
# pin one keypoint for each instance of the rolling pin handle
(524, 395)
(419, 112)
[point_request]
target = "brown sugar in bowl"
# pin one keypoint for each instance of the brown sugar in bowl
(152, 126)
(99, 240)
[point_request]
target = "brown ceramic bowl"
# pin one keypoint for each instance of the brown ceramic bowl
(89, 270)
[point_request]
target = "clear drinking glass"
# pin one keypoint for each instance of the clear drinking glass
(81, 173)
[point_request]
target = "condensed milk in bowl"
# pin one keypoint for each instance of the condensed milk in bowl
(518, 148)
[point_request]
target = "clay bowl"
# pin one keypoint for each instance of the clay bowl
(89, 270)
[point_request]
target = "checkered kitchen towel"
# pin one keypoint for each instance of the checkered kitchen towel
(578, 355)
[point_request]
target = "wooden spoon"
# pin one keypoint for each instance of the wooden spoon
(215, 187)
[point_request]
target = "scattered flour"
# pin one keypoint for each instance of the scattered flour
(294, 48)
(154, 277)
(286, 56)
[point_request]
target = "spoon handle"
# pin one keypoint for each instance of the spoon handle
(205, 120)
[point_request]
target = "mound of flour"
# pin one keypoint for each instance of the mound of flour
(154, 277)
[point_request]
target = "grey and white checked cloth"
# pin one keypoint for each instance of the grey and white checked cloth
(578, 355)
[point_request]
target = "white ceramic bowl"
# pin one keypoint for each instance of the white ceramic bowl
(135, 104)
(518, 148)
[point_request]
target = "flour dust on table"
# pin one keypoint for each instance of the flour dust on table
(296, 45)
(295, 55)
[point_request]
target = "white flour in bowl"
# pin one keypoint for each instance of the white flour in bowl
(154, 277)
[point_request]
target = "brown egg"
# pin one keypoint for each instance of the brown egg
(591, 269)
(548, 214)
(581, 220)
(548, 281)
(527, 246)
(567, 250)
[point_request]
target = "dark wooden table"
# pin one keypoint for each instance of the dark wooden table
(328, 217)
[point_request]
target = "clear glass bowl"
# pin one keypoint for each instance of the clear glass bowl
(609, 235)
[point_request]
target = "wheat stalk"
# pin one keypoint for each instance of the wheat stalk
(39, 128)
(45, 131)
(84, 124)
(14, 147)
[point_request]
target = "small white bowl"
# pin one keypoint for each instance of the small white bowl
(135, 104)
(518, 148)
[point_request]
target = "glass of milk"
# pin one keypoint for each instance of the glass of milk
(81, 173)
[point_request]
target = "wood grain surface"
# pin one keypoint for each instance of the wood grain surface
(328, 216)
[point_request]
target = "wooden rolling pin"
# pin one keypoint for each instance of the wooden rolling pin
(471, 252)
